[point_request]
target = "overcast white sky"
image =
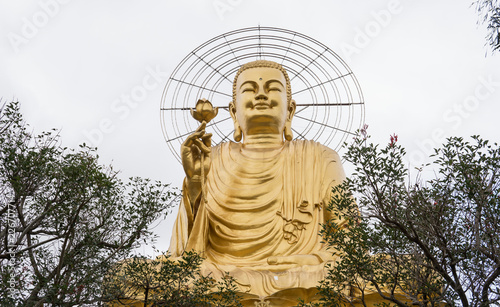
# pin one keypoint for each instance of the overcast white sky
(422, 65)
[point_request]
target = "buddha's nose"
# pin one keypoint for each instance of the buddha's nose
(261, 94)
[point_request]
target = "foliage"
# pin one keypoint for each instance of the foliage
(64, 219)
(169, 282)
(421, 243)
(489, 12)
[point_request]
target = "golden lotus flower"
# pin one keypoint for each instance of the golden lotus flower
(204, 111)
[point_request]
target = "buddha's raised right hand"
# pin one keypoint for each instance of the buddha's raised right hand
(195, 146)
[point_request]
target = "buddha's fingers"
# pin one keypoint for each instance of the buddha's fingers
(202, 126)
(207, 139)
(201, 146)
(190, 139)
(197, 134)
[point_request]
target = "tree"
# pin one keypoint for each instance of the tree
(489, 13)
(64, 218)
(169, 282)
(417, 242)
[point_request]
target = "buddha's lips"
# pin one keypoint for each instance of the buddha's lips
(261, 105)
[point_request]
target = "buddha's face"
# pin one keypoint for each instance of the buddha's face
(261, 105)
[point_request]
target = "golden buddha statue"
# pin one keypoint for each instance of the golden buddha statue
(265, 195)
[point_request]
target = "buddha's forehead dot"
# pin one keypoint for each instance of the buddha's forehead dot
(260, 79)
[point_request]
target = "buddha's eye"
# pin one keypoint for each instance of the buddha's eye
(247, 89)
(274, 86)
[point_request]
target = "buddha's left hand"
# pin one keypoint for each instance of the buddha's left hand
(294, 259)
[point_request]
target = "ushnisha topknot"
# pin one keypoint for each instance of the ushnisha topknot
(264, 63)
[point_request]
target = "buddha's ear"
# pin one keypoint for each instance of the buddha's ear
(237, 135)
(291, 110)
(232, 110)
(288, 124)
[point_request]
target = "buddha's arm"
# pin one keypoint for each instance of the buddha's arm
(196, 146)
(195, 149)
(334, 176)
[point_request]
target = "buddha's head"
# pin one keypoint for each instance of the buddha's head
(262, 101)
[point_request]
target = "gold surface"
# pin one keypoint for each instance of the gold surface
(265, 196)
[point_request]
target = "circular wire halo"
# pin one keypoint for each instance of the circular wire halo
(330, 105)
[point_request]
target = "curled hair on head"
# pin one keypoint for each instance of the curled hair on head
(264, 63)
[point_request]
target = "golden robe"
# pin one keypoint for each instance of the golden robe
(259, 206)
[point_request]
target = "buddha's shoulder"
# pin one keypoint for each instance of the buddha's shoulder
(325, 151)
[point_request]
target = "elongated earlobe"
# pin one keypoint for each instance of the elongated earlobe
(288, 130)
(288, 124)
(237, 132)
(237, 129)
